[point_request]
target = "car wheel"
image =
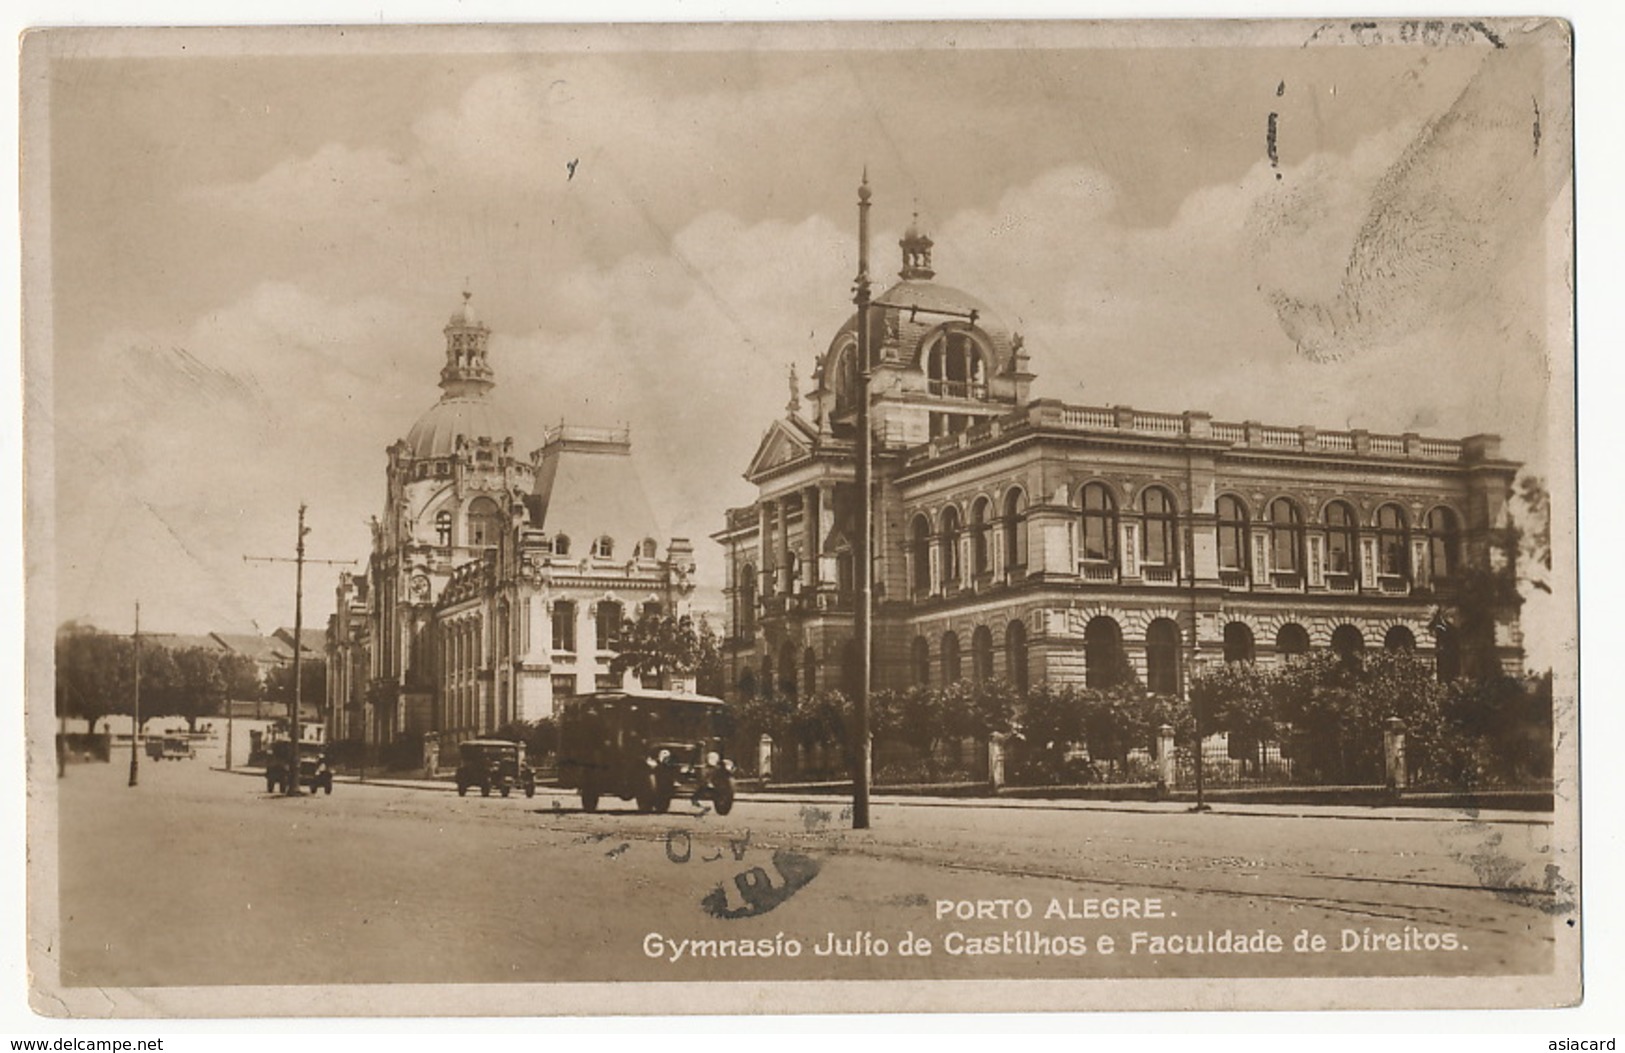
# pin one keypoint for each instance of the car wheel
(485, 789)
(327, 786)
(462, 789)
(722, 798)
(530, 789)
(506, 790)
(589, 798)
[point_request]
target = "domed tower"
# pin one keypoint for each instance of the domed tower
(456, 496)
(943, 359)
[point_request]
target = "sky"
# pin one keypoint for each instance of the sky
(254, 243)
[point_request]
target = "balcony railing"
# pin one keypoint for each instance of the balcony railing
(959, 389)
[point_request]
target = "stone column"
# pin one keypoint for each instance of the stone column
(781, 545)
(1393, 752)
(1167, 759)
(764, 535)
(828, 574)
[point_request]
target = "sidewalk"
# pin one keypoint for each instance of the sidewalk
(883, 800)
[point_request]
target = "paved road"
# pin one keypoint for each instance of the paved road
(198, 877)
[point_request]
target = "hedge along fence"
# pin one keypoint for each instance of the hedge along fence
(1316, 719)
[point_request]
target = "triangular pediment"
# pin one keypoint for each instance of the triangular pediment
(787, 440)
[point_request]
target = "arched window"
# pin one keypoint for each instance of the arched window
(648, 549)
(1162, 657)
(956, 367)
(809, 671)
(442, 527)
(948, 545)
(484, 522)
(1341, 539)
(951, 671)
(1232, 534)
(604, 547)
(1399, 638)
(1286, 536)
(1393, 557)
(981, 545)
(1160, 545)
(564, 625)
(561, 545)
(608, 622)
(1015, 529)
(1444, 540)
(920, 551)
(787, 670)
(920, 661)
(1015, 655)
(1291, 639)
(747, 599)
(846, 378)
(981, 653)
(1104, 663)
(1238, 642)
(1099, 523)
(1348, 645)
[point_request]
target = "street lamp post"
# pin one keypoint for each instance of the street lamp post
(863, 617)
(135, 716)
(861, 543)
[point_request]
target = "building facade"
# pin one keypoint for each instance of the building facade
(1041, 542)
(498, 580)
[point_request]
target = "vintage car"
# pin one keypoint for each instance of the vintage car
(314, 770)
(494, 764)
(169, 747)
(646, 746)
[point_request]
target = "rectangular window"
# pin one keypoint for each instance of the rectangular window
(606, 682)
(564, 685)
(564, 626)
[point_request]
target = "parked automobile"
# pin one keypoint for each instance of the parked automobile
(646, 746)
(494, 764)
(314, 770)
(170, 747)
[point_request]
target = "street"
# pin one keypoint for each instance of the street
(198, 877)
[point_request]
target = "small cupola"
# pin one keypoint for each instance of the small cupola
(916, 254)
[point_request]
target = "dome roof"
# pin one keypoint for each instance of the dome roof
(472, 416)
(935, 296)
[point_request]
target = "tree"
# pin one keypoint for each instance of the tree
(1235, 698)
(659, 647)
(94, 673)
(313, 683)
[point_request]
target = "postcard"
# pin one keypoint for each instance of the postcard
(819, 517)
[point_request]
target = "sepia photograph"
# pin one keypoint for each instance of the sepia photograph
(821, 517)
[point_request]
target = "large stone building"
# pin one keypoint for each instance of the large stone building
(498, 579)
(1036, 541)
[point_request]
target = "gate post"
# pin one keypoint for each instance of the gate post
(764, 757)
(995, 759)
(1393, 752)
(1167, 759)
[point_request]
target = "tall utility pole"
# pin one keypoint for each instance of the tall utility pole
(860, 544)
(135, 716)
(863, 618)
(298, 639)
